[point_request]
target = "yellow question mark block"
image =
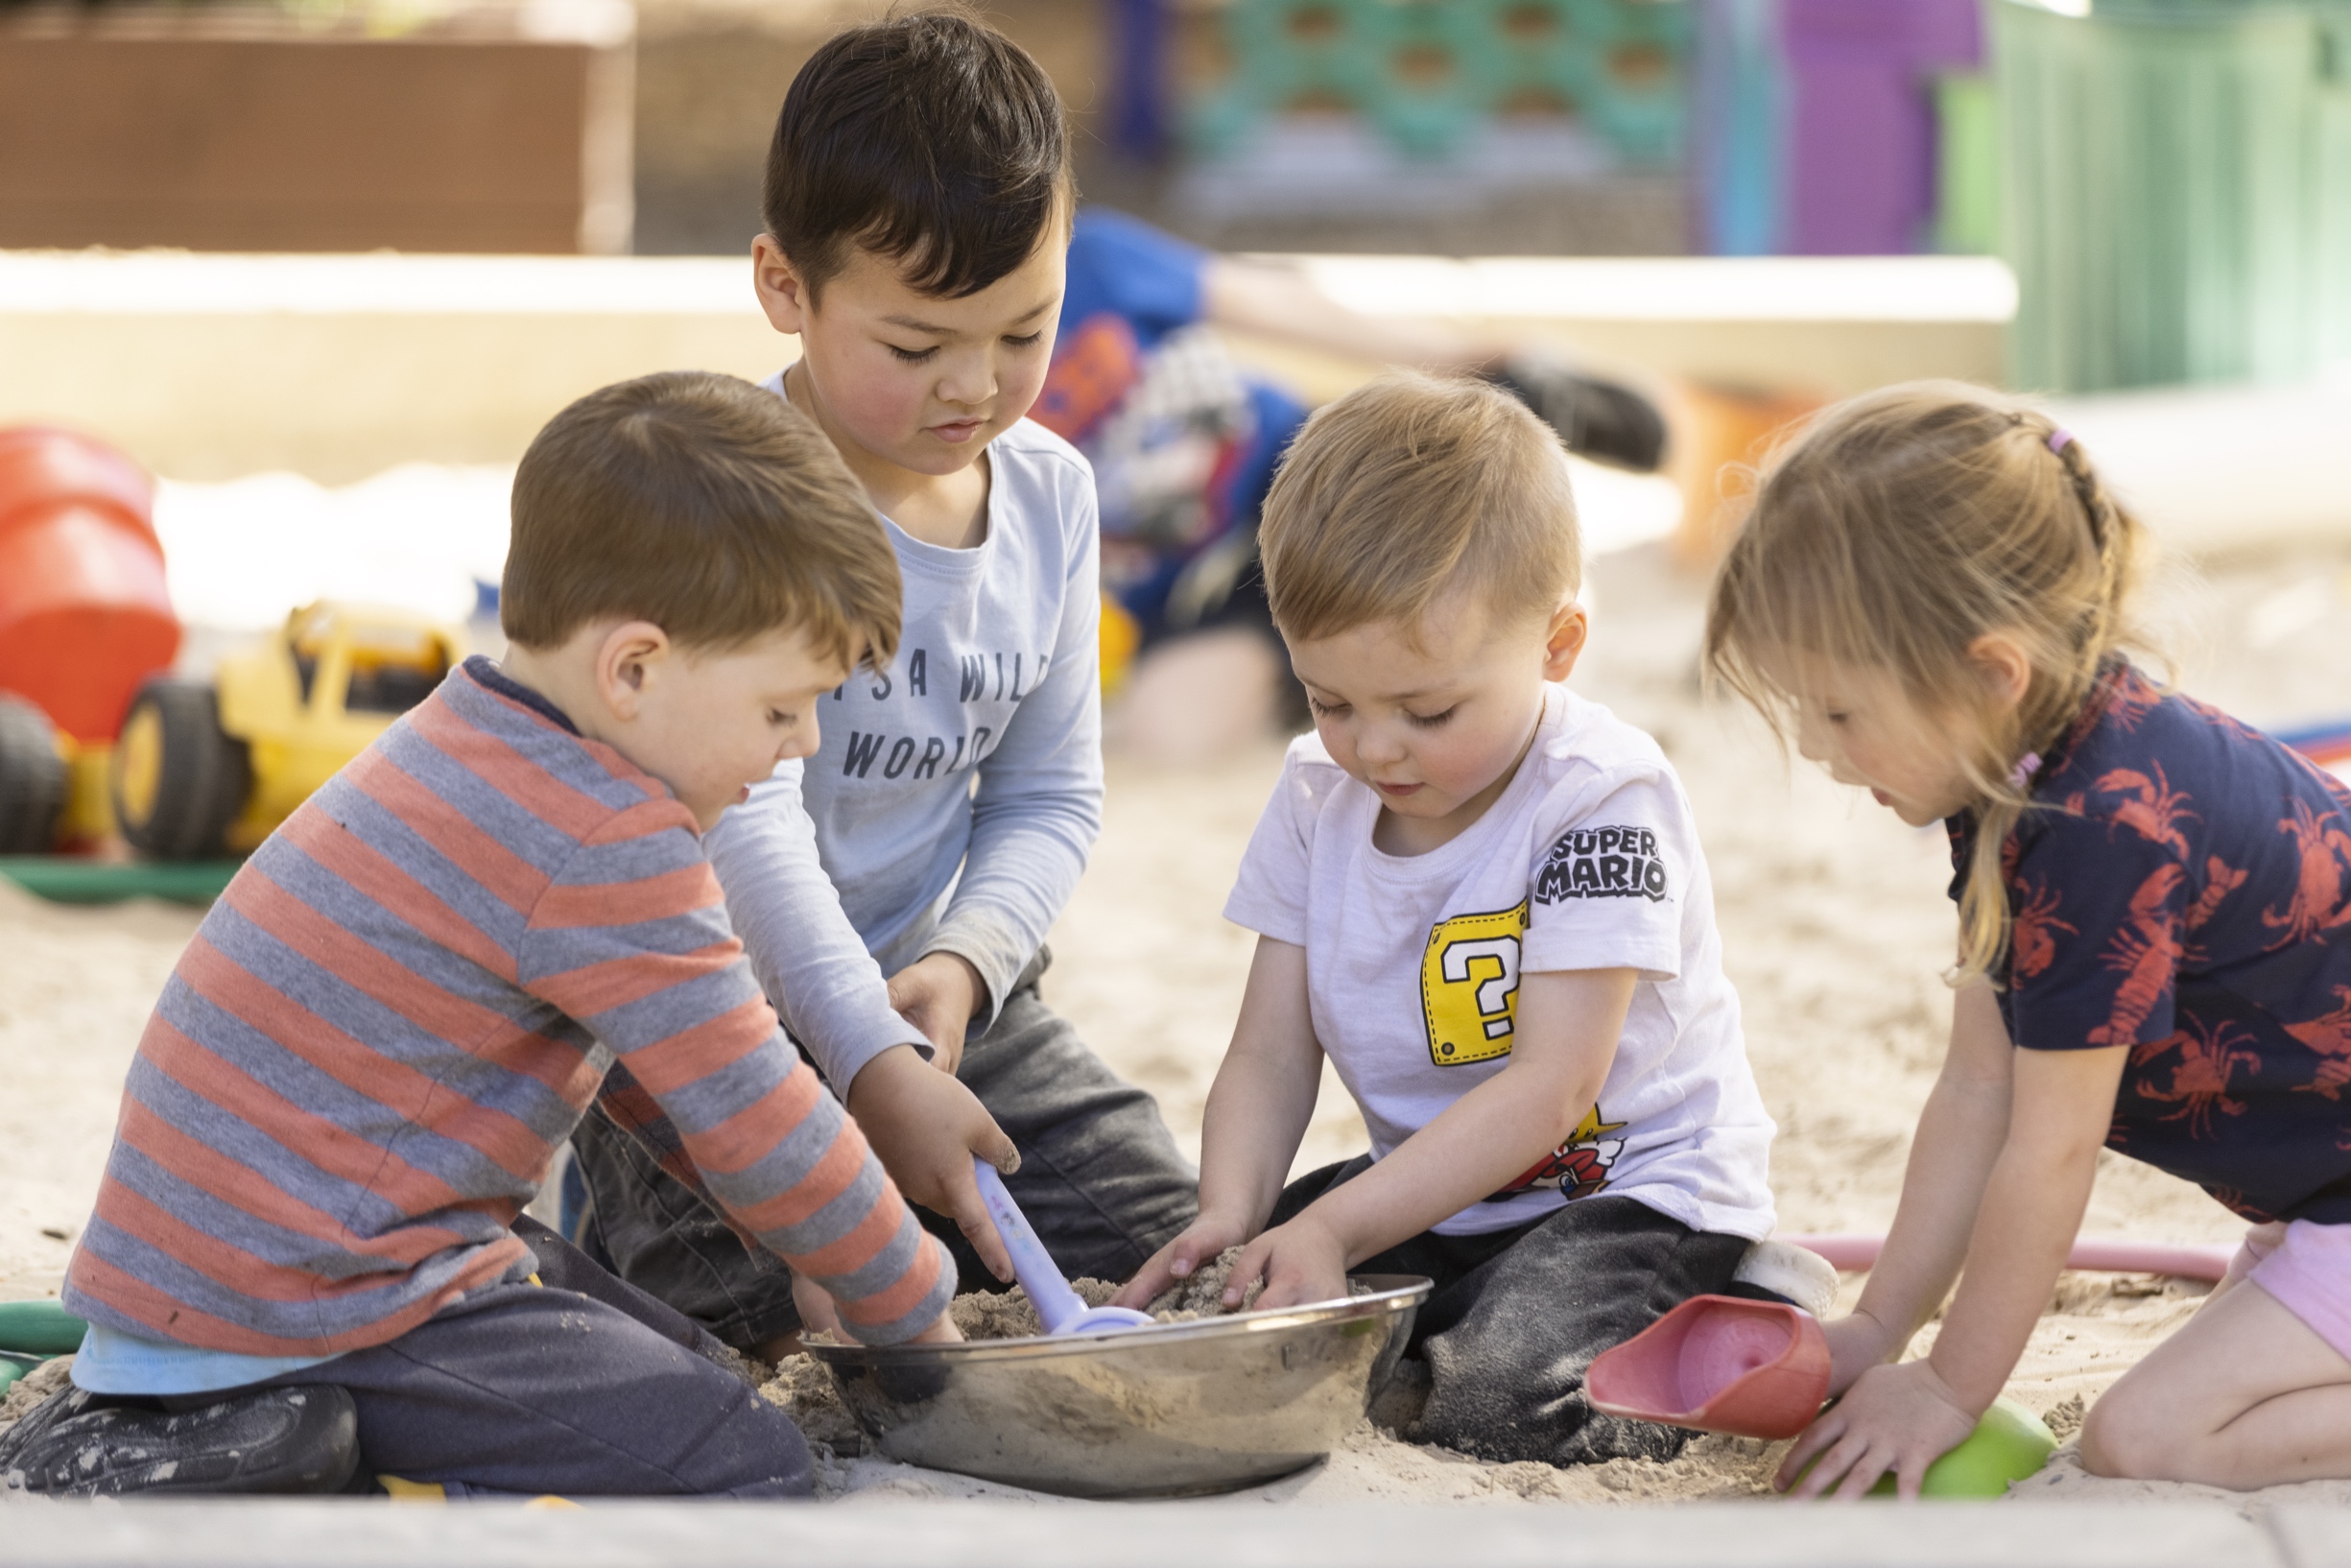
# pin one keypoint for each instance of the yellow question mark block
(1470, 985)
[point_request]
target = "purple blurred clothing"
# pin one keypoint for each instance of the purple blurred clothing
(1861, 129)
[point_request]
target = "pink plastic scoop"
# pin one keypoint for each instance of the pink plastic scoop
(1719, 1364)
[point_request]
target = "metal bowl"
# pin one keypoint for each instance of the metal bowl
(1198, 1407)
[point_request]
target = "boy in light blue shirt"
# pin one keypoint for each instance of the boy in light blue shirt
(894, 889)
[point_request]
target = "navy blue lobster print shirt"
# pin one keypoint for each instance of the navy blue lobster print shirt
(2182, 885)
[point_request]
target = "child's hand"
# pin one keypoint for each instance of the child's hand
(817, 1315)
(937, 993)
(925, 1126)
(1857, 1343)
(1302, 1261)
(1898, 1418)
(1200, 1241)
(818, 1312)
(942, 1331)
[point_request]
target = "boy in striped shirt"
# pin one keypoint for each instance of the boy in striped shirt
(308, 1262)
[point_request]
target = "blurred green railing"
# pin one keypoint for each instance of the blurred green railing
(2178, 189)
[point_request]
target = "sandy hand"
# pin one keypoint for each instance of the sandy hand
(819, 1315)
(925, 1126)
(1301, 1262)
(942, 1331)
(1898, 1418)
(1200, 1245)
(818, 1312)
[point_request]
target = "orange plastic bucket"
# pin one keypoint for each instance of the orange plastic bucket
(85, 614)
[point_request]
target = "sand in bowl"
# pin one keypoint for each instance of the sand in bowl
(805, 1389)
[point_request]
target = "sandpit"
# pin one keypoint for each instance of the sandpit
(1835, 929)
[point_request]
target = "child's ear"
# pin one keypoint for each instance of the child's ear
(628, 662)
(2000, 661)
(783, 294)
(1564, 641)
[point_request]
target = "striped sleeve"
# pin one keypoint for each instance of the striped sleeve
(631, 939)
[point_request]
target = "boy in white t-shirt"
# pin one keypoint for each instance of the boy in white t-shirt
(1482, 897)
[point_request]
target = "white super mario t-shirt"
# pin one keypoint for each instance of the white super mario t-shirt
(1589, 860)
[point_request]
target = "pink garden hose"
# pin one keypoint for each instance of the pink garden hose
(1855, 1253)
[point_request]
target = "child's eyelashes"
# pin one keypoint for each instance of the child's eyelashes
(1320, 710)
(918, 356)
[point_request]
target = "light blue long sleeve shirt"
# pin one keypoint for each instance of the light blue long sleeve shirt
(954, 797)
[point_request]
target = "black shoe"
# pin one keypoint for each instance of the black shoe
(79, 1444)
(1596, 420)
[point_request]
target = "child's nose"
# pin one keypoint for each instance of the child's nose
(969, 380)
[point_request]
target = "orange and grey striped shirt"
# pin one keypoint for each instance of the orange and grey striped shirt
(398, 1009)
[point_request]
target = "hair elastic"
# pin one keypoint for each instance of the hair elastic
(2025, 766)
(2059, 440)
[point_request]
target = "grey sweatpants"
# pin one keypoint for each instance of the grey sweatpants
(1519, 1315)
(1099, 1180)
(577, 1384)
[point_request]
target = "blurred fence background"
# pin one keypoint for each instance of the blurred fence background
(2171, 179)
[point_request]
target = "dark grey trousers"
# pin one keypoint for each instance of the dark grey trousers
(1519, 1315)
(1099, 1180)
(577, 1385)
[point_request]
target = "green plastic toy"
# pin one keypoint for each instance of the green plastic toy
(2008, 1444)
(39, 1328)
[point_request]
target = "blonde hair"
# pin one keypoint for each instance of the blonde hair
(1408, 487)
(1893, 531)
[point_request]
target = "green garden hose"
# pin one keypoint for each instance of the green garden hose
(69, 879)
(39, 1328)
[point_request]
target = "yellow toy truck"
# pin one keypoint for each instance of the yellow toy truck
(206, 768)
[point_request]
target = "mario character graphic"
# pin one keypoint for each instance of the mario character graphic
(1579, 1167)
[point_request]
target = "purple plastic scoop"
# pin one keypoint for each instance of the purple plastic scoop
(1061, 1310)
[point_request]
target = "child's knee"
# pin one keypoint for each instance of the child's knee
(756, 1452)
(2115, 1443)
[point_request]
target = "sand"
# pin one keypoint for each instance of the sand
(1834, 928)
(802, 1386)
(804, 1389)
(76, 985)
(35, 1386)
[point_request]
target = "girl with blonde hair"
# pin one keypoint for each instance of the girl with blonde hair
(1932, 599)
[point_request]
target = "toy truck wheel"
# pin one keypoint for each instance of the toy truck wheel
(31, 779)
(177, 778)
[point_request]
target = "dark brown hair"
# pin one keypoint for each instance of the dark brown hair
(706, 506)
(928, 139)
(1412, 486)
